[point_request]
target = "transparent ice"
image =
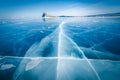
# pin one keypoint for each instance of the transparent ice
(57, 50)
(72, 51)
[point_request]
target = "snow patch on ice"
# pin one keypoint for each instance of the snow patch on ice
(33, 63)
(6, 66)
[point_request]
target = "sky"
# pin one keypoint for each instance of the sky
(35, 8)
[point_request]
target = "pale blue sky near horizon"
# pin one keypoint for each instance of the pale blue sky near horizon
(58, 7)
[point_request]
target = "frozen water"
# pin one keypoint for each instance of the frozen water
(79, 49)
(70, 69)
(62, 46)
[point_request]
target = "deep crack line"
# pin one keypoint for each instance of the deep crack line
(90, 64)
(59, 51)
(59, 48)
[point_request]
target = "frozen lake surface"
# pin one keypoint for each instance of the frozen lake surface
(60, 49)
